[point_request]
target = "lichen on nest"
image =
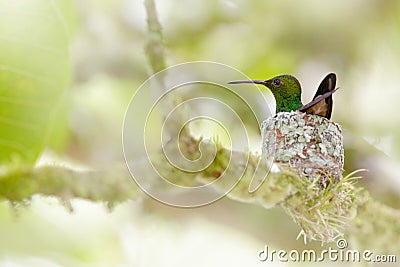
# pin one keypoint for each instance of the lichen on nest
(309, 144)
(312, 146)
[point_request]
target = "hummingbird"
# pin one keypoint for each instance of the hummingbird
(287, 93)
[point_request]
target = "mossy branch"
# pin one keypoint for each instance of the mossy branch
(368, 223)
(155, 44)
(109, 186)
(155, 53)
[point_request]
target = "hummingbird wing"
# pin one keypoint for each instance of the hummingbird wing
(322, 102)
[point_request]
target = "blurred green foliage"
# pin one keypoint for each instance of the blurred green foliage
(34, 73)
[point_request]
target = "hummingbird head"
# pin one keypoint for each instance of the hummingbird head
(285, 88)
(283, 85)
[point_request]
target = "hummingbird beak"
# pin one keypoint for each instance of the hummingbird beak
(248, 81)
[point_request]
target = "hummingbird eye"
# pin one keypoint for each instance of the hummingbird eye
(277, 82)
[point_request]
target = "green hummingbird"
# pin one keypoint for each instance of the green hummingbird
(287, 93)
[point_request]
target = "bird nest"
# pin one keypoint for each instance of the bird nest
(311, 145)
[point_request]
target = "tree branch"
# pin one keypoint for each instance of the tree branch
(368, 223)
(110, 186)
(155, 44)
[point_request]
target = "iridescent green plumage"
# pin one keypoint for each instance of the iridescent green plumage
(287, 92)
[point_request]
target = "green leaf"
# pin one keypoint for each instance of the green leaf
(34, 73)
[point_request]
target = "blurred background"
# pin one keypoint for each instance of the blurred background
(82, 61)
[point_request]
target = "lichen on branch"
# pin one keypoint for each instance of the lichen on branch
(370, 224)
(155, 43)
